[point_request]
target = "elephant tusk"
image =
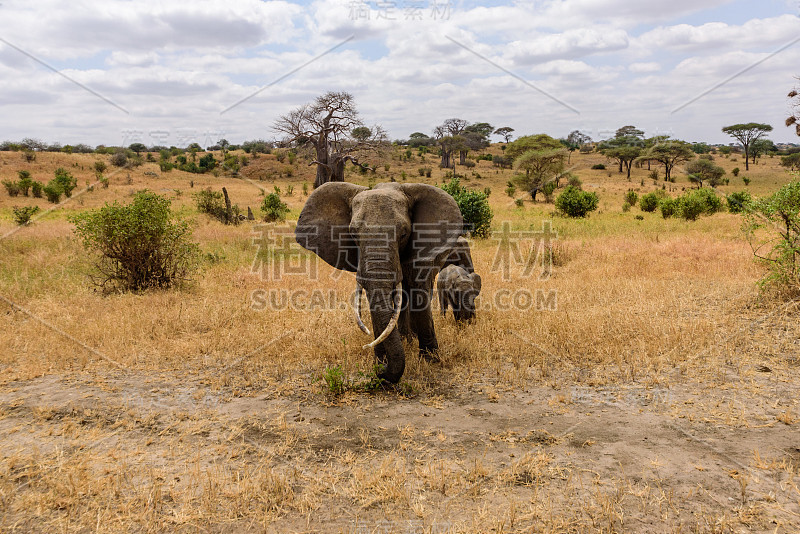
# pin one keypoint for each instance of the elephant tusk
(393, 323)
(361, 324)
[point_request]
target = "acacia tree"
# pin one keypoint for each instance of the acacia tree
(541, 157)
(505, 133)
(746, 134)
(330, 126)
(669, 154)
(625, 150)
(703, 170)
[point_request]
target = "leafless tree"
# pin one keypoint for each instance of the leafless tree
(326, 126)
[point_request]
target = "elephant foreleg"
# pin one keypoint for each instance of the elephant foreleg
(421, 320)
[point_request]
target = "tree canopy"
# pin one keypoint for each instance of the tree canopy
(746, 134)
(669, 154)
(331, 127)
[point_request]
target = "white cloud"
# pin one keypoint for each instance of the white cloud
(644, 67)
(175, 66)
(568, 45)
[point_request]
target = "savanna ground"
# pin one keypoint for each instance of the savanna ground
(660, 395)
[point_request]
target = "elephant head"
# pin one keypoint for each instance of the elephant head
(395, 237)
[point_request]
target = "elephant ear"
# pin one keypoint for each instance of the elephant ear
(436, 225)
(324, 225)
(476, 281)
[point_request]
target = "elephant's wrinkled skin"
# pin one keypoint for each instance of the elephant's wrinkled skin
(393, 234)
(458, 289)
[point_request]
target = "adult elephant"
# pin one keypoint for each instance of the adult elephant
(395, 237)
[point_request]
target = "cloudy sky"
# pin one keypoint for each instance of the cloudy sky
(117, 72)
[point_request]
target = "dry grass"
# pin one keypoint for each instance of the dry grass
(216, 418)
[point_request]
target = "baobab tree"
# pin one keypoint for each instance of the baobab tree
(332, 128)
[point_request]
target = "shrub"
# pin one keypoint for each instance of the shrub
(474, 206)
(548, 189)
(649, 202)
(421, 171)
(53, 192)
(746, 180)
(23, 214)
(502, 161)
(710, 201)
(631, 197)
(738, 202)
(736, 171)
(29, 155)
(165, 166)
(690, 207)
(211, 203)
(780, 215)
(36, 189)
(669, 207)
(119, 159)
(138, 246)
(65, 181)
(25, 183)
(274, 208)
(11, 187)
(468, 163)
(626, 207)
(574, 181)
(573, 202)
(511, 190)
(100, 166)
(599, 167)
(653, 174)
(519, 203)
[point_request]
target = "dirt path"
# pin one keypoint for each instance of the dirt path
(142, 451)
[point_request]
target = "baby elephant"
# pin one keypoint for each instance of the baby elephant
(458, 289)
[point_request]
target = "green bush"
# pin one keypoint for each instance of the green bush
(23, 214)
(746, 180)
(11, 187)
(626, 206)
(100, 166)
(779, 214)
(119, 159)
(649, 202)
(519, 203)
(53, 192)
(736, 171)
(690, 207)
(669, 207)
(599, 167)
(65, 181)
(138, 246)
(711, 202)
(474, 206)
(36, 189)
(738, 202)
(25, 185)
(274, 208)
(573, 202)
(211, 203)
(631, 197)
(165, 166)
(548, 189)
(574, 181)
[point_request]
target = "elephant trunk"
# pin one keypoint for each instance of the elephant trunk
(384, 304)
